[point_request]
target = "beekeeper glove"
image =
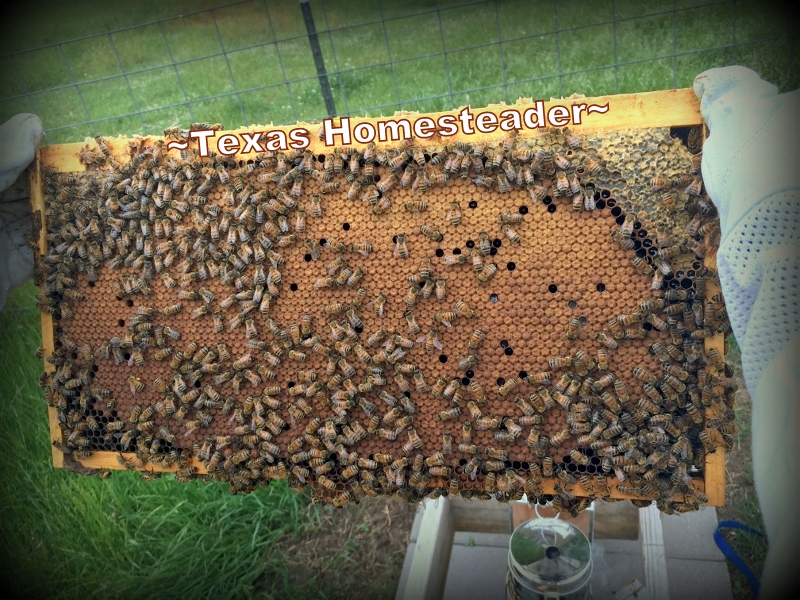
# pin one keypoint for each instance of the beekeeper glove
(750, 170)
(19, 138)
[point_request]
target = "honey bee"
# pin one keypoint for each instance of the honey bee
(656, 322)
(335, 308)
(592, 165)
(695, 188)
(484, 243)
(468, 362)
(438, 388)
(507, 387)
(354, 277)
(564, 400)
(431, 233)
(503, 185)
(643, 268)
(327, 188)
(200, 311)
(440, 287)
(136, 384)
(168, 281)
(175, 132)
(172, 309)
(487, 273)
(544, 399)
(547, 467)
(387, 183)
(162, 354)
(341, 499)
(402, 341)
(508, 218)
(674, 295)
(562, 183)
(401, 382)
(573, 327)
(413, 326)
(379, 304)
(244, 362)
(445, 318)
(416, 206)
(624, 240)
(414, 441)
(607, 341)
(455, 259)
(560, 437)
(559, 362)
(450, 414)
(477, 260)
(400, 247)
(427, 288)
(602, 359)
(643, 374)
(453, 215)
(326, 483)
(355, 189)
(534, 438)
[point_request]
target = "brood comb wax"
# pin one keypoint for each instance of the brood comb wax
(483, 315)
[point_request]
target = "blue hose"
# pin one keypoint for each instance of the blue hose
(731, 555)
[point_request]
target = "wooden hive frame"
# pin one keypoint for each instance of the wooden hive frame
(676, 108)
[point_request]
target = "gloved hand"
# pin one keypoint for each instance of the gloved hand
(750, 171)
(19, 138)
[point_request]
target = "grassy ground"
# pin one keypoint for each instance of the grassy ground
(67, 536)
(63, 535)
(741, 503)
(355, 552)
(250, 62)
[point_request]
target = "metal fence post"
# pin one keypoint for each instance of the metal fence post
(322, 74)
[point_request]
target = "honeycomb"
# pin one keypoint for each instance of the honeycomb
(487, 319)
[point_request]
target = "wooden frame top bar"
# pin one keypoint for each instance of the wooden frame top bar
(670, 108)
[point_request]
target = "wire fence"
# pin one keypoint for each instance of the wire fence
(252, 62)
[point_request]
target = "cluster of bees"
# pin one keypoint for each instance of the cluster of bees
(191, 354)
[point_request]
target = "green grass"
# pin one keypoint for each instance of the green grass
(741, 503)
(750, 547)
(734, 353)
(247, 52)
(64, 535)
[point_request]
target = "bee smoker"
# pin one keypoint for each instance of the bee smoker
(548, 559)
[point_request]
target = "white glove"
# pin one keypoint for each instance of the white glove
(19, 138)
(750, 171)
